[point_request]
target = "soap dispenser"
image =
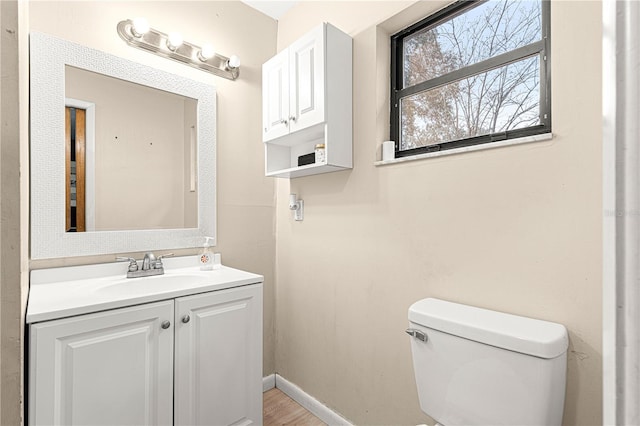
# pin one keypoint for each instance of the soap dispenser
(206, 258)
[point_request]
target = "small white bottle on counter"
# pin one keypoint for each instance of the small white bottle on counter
(206, 258)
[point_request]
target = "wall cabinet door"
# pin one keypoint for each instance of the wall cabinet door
(113, 367)
(293, 87)
(306, 85)
(218, 373)
(275, 96)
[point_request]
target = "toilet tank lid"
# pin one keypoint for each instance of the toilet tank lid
(519, 334)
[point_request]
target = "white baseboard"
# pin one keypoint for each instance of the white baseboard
(268, 382)
(318, 409)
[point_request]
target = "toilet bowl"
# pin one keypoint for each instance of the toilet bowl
(474, 366)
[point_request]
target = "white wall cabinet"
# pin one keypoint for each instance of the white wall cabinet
(307, 100)
(118, 367)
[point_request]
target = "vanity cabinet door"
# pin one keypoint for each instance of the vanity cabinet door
(306, 70)
(108, 368)
(218, 344)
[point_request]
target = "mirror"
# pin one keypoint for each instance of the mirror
(130, 173)
(119, 137)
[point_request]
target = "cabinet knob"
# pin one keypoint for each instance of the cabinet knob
(283, 121)
(292, 118)
(186, 318)
(165, 324)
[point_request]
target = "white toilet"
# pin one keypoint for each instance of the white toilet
(479, 367)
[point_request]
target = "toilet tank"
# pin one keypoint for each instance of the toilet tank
(480, 367)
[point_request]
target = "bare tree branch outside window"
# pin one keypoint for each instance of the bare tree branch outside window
(494, 100)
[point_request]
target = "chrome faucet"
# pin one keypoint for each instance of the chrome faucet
(150, 265)
(149, 261)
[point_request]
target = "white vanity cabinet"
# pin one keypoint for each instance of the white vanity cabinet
(191, 360)
(307, 100)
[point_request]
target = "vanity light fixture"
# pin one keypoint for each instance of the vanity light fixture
(174, 41)
(234, 61)
(206, 52)
(136, 32)
(140, 27)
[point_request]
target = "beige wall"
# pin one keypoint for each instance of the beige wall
(514, 229)
(13, 153)
(245, 198)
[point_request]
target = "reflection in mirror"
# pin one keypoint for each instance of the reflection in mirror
(49, 60)
(130, 155)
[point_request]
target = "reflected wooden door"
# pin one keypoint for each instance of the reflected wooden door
(75, 164)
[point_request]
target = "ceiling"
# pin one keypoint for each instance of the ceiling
(274, 9)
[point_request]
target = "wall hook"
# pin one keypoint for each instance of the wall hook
(297, 206)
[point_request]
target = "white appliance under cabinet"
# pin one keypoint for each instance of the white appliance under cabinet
(307, 100)
(190, 355)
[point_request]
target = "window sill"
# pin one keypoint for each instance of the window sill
(480, 147)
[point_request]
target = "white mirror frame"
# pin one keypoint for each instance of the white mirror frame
(48, 57)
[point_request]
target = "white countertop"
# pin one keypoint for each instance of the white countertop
(62, 292)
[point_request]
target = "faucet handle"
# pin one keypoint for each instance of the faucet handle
(158, 264)
(133, 264)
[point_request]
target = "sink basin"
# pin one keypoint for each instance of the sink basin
(76, 290)
(156, 283)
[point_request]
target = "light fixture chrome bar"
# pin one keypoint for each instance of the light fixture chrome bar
(157, 42)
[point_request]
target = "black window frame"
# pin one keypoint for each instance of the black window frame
(398, 92)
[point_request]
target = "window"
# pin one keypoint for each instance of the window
(472, 73)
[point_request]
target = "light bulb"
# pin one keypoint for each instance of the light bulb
(140, 27)
(233, 62)
(206, 52)
(174, 41)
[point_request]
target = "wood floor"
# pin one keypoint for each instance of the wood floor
(280, 410)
